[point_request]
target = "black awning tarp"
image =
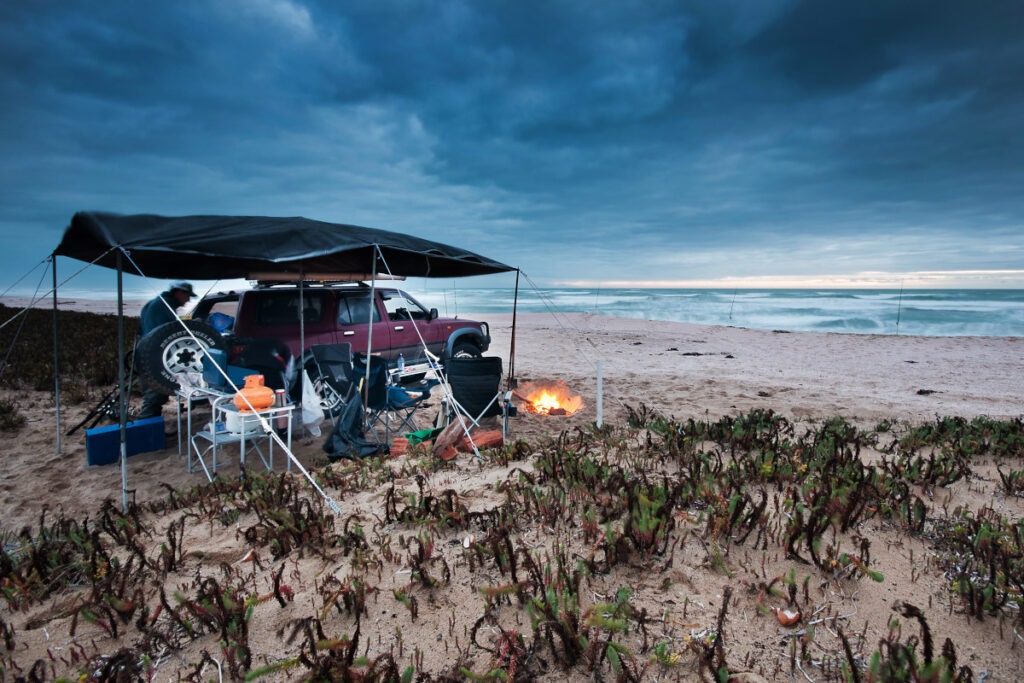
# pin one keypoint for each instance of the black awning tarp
(223, 247)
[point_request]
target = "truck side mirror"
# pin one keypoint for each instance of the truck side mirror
(433, 314)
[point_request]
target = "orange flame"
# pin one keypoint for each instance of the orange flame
(550, 398)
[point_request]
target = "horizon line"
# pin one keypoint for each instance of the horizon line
(935, 279)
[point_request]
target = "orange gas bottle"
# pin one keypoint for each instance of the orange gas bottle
(257, 395)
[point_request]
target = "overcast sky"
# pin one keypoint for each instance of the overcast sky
(721, 142)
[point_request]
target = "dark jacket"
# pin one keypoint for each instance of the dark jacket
(156, 312)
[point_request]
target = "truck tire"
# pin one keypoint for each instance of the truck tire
(169, 349)
(332, 401)
(466, 349)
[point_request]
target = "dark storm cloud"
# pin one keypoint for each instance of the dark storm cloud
(653, 140)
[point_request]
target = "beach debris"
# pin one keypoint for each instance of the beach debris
(926, 392)
(481, 439)
(445, 443)
(400, 446)
(788, 617)
(248, 557)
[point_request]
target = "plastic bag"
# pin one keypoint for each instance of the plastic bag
(312, 413)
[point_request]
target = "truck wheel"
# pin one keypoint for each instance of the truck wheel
(169, 349)
(466, 349)
(330, 399)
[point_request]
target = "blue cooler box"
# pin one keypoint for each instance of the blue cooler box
(212, 376)
(103, 444)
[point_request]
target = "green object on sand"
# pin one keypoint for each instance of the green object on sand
(422, 435)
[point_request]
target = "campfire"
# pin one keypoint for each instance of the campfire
(550, 397)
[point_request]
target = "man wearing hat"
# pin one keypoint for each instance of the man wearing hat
(158, 311)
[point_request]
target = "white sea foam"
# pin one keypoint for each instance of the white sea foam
(918, 312)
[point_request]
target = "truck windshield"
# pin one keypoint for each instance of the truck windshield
(401, 306)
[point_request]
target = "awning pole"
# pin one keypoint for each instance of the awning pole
(123, 416)
(302, 317)
(511, 380)
(56, 365)
(369, 334)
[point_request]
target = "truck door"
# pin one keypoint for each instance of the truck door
(405, 315)
(354, 321)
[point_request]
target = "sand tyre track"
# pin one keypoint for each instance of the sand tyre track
(169, 349)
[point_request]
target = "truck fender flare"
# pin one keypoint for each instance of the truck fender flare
(464, 334)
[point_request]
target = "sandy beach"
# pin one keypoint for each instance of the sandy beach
(679, 370)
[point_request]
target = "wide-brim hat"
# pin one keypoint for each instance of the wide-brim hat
(184, 286)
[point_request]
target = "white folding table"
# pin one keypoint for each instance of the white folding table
(228, 425)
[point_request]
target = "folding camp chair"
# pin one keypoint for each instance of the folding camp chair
(386, 402)
(372, 391)
(330, 370)
(404, 402)
(475, 392)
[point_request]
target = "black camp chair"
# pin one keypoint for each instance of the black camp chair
(476, 392)
(348, 438)
(330, 371)
(372, 392)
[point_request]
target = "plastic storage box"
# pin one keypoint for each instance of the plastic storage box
(103, 444)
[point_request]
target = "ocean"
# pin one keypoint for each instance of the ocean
(932, 313)
(946, 312)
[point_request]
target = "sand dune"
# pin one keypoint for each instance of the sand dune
(678, 370)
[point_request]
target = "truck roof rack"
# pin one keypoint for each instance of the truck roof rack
(318, 278)
(307, 284)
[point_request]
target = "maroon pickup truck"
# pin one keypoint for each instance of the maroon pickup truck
(259, 329)
(334, 313)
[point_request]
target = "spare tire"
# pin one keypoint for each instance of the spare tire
(170, 349)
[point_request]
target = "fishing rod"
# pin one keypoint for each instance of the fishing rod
(899, 309)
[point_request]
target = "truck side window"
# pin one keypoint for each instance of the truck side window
(282, 308)
(355, 310)
(277, 308)
(400, 306)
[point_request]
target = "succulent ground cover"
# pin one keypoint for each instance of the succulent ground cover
(658, 549)
(746, 547)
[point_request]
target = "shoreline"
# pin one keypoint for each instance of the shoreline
(695, 370)
(133, 306)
